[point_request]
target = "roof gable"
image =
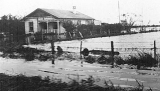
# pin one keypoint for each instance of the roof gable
(61, 14)
(39, 13)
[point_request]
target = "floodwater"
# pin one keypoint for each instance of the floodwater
(73, 69)
(125, 44)
(67, 70)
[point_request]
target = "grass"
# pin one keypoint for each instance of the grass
(141, 60)
(36, 83)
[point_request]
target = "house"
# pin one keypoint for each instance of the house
(97, 22)
(51, 21)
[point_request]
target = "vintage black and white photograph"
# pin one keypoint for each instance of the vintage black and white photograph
(79, 45)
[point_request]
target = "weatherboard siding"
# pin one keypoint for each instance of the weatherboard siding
(35, 25)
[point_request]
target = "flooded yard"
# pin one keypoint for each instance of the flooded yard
(67, 69)
(125, 44)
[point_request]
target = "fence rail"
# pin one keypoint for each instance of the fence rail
(110, 46)
(122, 47)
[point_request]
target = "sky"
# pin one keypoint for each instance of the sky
(146, 11)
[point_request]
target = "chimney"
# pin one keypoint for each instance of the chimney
(74, 10)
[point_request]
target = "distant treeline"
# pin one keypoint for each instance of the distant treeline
(92, 30)
(12, 26)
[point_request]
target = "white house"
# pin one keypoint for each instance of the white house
(51, 21)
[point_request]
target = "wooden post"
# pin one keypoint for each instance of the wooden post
(154, 49)
(42, 35)
(53, 51)
(81, 54)
(112, 53)
(53, 59)
(58, 30)
(52, 45)
(47, 29)
(80, 50)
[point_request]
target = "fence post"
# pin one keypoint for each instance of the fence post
(42, 35)
(81, 54)
(154, 49)
(53, 59)
(112, 53)
(80, 50)
(52, 47)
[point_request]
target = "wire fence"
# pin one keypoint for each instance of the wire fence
(124, 48)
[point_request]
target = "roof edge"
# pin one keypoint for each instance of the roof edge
(41, 10)
(56, 17)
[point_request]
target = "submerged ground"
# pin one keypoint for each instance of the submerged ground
(67, 69)
(73, 69)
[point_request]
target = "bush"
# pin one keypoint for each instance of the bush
(104, 60)
(36, 83)
(38, 36)
(142, 59)
(90, 59)
(119, 60)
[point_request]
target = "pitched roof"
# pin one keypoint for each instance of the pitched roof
(63, 14)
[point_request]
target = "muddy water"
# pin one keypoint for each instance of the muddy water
(125, 44)
(67, 70)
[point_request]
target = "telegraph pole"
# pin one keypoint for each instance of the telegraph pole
(119, 12)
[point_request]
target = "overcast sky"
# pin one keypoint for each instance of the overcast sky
(104, 10)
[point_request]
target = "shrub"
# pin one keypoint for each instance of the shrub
(103, 60)
(119, 60)
(38, 36)
(142, 59)
(90, 59)
(29, 56)
(36, 83)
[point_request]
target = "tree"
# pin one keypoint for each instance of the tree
(70, 27)
(12, 25)
(130, 20)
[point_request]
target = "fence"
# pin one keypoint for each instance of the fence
(124, 48)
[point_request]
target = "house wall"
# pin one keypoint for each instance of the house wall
(46, 19)
(79, 21)
(97, 22)
(35, 25)
(138, 29)
(62, 32)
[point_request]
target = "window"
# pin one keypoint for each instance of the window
(83, 22)
(55, 26)
(30, 26)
